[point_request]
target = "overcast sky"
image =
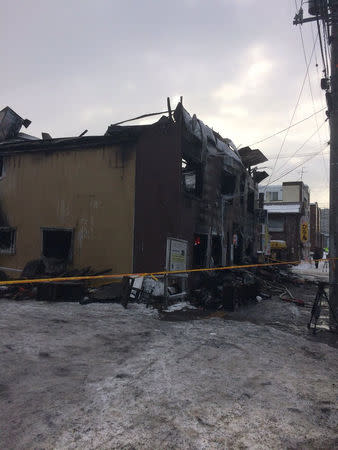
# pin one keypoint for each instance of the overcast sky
(69, 65)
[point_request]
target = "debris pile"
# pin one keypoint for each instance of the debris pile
(53, 290)
(210, 291)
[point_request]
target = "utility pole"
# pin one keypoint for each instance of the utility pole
(325, 12)
(334, 171)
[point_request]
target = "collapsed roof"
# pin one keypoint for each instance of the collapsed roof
(212, 144)
(251, 157)
(11, 123)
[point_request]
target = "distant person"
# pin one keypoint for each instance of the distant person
(326, 262)
(317, 254)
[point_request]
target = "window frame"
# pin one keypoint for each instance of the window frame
(2, 172)
(277, 229)
(12, 249)
(274, 194)
(70, 230)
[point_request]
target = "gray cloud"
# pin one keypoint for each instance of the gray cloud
(76, 64)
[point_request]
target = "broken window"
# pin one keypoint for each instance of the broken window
(200, 250)
(251, 201)
(57, 243)
(228, 185)
(190, 181)
(7, 240)
(192, 177)
(276, 223)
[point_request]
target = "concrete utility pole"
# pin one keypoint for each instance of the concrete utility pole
(326, 12)
(333, 252)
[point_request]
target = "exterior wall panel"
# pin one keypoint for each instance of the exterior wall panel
(161, 210)
(89, 191)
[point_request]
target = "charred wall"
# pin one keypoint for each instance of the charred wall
(157, 195)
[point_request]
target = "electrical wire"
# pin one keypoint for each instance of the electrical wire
(311, 93)
(304, 155)
(300, 165)
(302, 146)
(287, 128)
(322, 102)
(309, 80)
(294, 111)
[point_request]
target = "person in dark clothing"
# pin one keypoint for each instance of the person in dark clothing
(317, 254)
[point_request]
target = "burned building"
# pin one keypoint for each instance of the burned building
(115, 201)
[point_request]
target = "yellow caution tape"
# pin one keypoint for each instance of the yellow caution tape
(150, 274)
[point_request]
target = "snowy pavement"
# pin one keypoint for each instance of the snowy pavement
(103, 377)
(309, 270)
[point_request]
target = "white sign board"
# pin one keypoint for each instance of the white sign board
(176, 254)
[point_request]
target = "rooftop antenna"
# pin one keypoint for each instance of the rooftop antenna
(302, 173)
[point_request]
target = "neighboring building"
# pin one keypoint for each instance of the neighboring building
(288, 218)
(113, 201)
(325, 226)
(316, 237)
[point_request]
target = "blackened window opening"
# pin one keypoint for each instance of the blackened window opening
(7, 240)
(251, 201)
(228, 185)
(192, 177)
(57, 244)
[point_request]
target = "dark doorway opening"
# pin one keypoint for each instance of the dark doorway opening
(238, 249)
(57, 243)
(228, 256)
(216, 250)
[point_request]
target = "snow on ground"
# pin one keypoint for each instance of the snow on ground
(179, 306)
(309, 270)
(103, 377)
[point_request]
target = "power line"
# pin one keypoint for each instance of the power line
(303, 145)
(308, 77)
(322, 102)
(295, 109)
(287, 128)
(299, 165)
(304, 155)
(311, 93)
